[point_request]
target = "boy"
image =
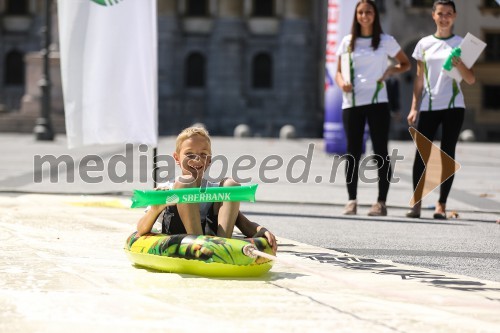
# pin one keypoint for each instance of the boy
(193, 154)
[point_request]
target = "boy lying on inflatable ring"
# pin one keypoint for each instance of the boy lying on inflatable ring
(193, 154)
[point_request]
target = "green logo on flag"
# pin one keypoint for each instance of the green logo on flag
(106, 2)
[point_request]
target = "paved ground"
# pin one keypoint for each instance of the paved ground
(287, 171)
(464, 246)
(63, 268)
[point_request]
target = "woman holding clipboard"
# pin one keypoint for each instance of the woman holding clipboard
(362, 70)
(437, 97)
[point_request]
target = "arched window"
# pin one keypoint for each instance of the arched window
(263, 8)
(262, 69)
(490, 97)
(422, 3)
(492, 52)
(197, 8)
(195, 70)
(491, 4)
(14, 68)
(17, 7)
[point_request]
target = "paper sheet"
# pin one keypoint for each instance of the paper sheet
(345, 67)
(345, 70)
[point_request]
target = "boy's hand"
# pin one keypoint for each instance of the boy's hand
(271, 239)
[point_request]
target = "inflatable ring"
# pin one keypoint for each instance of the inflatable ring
(199, 255)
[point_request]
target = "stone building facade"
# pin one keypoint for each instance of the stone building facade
(21, 62)
(221, 63)
(19, 35)
(230, 62)
(256, 62)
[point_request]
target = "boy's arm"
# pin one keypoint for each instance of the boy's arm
(146, 222)
(252, 229)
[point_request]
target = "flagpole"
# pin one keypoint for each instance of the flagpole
(155, 162)
(43, 128)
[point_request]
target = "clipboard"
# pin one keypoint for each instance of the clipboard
(345, 67)
(471, 47)
(345, 70)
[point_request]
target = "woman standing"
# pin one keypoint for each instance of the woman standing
(365, 98)
(437, 96)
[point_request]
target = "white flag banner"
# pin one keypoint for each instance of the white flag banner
(109, 71)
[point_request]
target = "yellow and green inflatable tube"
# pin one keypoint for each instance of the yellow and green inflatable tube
(198, 255)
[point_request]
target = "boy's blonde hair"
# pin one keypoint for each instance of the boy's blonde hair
(188, 133)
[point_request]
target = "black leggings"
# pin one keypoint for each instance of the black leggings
(428, 124)
(379, 119)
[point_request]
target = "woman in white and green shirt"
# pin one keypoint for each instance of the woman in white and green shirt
(365, 98)
(437, 98)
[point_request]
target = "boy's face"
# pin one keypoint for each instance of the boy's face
(194, 156)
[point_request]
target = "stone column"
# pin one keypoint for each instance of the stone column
(54, 37)
(169, 75)
(230, 8)
(297, 9)
(296, 66)
(225, 68)
(31, 100)
(167, 8)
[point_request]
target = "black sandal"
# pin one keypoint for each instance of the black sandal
(440, 216)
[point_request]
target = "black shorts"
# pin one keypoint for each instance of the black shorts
(172, 223)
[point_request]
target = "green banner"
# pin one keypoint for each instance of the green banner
(194, 195)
